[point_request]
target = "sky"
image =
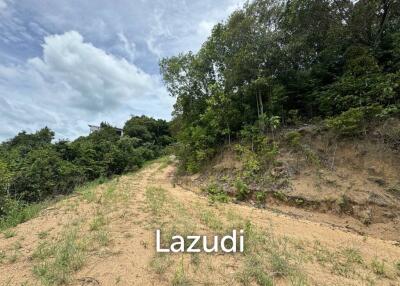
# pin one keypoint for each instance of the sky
(69, 63)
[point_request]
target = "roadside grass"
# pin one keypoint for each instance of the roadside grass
(3, 256)
(57, 261)
(110, 194)
(396, 266)
(155, 199)
(268, 257)
(180, 277)
(161, 263)
(8, 233)
(20, 212)
(102, 238)
(210, 219)
(13, 257)
(321, 254)
(378, 267)
(43, 234)
(9, 258)
(97, 222)
(164, 162)
(346, 262)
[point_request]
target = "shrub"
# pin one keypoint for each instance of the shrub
(194, 148)
(354, 121)
(260, 197)
(251, 165)
(293, 138)
(216, 193)
(42, 174)
(242, 190)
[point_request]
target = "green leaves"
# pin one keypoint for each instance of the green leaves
(32, 168)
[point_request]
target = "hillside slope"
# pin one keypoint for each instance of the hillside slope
(348, 182)
(105, 235)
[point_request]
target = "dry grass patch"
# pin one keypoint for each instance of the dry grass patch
(155, 199)
(161, 263)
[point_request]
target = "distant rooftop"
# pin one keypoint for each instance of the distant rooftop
(94, 128)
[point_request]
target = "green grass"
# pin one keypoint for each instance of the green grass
(87, 190)
(209, 219)
(160, 263)
(180, 277)
(110, 194)
(216, 193)
(97, 223)
(102, 238)
(43, 234)
(13, 258)
(268, 257)
(378, 267)
(353, 255)
(254, 270)
(43, 251)
(20, 212)
(17, 245)
(59, 260)
(195, 259)
(2, 256)
(8, 233)
(164, 162)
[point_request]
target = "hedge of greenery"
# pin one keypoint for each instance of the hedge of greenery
(33, 168)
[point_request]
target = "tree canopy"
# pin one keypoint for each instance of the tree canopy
(285, 60)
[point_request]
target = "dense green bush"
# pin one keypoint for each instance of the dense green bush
(43, 174)
(5, 179)
(195, 148)
(32, 168)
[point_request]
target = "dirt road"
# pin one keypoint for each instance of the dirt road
(105, 235)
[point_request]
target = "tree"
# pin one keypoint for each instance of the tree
(275, 59)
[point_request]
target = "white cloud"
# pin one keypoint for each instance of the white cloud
(76, 83)
(99, 80)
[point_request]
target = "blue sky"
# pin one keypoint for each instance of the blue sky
(67, 64)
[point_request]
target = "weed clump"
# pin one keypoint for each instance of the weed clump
(58, 261)
(216, 193)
